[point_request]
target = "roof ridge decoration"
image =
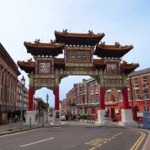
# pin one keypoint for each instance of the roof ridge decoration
(88, 38)
(89, 34)
(29, 62)
(117, 45)
(37, 43)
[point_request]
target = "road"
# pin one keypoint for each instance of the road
(74, 138)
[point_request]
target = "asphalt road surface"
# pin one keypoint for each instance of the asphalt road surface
(74, 138)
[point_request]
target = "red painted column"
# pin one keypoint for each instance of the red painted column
(125, 98)
(134, 110)
(31, 94)
(102, 97)
(56, 98)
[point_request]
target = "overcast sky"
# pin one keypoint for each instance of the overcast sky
(123, 21)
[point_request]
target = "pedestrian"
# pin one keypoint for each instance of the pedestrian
(16, 118)
(24, 119)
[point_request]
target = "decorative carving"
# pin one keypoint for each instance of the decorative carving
(83, 56)
(53, 42)
(125, 62)
(29, 61)
(44, 67)
(112, 68)
(90, 32)
(117, 44)
(37, 41)
(64, 31)
(103, 44)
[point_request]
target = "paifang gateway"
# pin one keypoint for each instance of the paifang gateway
(78, 49)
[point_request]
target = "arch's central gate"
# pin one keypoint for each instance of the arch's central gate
(47, 70)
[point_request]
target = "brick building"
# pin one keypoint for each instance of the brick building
(83, 98)
(10, 87)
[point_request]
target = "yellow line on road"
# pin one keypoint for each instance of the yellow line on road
(93, 148)
(139, 141)
(101, 141)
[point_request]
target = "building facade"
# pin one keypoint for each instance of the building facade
(10, 87)
(83, 98)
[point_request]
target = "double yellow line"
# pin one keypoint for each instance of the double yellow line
(139, 141)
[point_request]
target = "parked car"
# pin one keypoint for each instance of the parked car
(63, 118)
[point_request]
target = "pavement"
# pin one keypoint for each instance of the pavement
(8, 129)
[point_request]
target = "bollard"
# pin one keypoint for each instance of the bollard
(20, 124)
(82, 118)
(92, 120)
(30, 123)
(42, 121)
(10, 125)
(138, 122)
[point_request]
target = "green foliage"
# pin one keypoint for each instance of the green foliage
(41, 104)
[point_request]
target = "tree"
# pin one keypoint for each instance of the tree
(41, 104)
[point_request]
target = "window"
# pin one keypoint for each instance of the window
(145, 108)
(97, 98)
(146, 93)
(96, 88)
(92, 88)
(136, 81)
(137, 96)
(93, 110)
(119, 95)
(144, 79)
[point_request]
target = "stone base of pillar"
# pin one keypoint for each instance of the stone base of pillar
(56, 117)
(30, 117)
(127, 118)
(101, 118)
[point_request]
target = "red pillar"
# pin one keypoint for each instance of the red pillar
(56, 98)
(125, 98)
(102, 98)
(31, 94)
(135, 114)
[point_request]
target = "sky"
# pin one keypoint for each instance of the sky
(123, 21)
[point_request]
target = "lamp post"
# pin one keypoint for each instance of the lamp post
(47, 97)
(22, 94)
(145, 98)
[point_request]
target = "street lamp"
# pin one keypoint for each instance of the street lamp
(47, 97)
(145, 97)
(22, 94)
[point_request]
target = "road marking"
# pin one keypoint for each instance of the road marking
(99, 141)
(95, 141)
(105, 142)
(139, 141)
(51, 138)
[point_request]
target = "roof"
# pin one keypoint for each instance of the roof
(78, 38)
(99, 64)
(113, 51)
(28, 66)
(140, 72)
(59, 63)
(9, 60)
(128, 68)
(38, 48)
